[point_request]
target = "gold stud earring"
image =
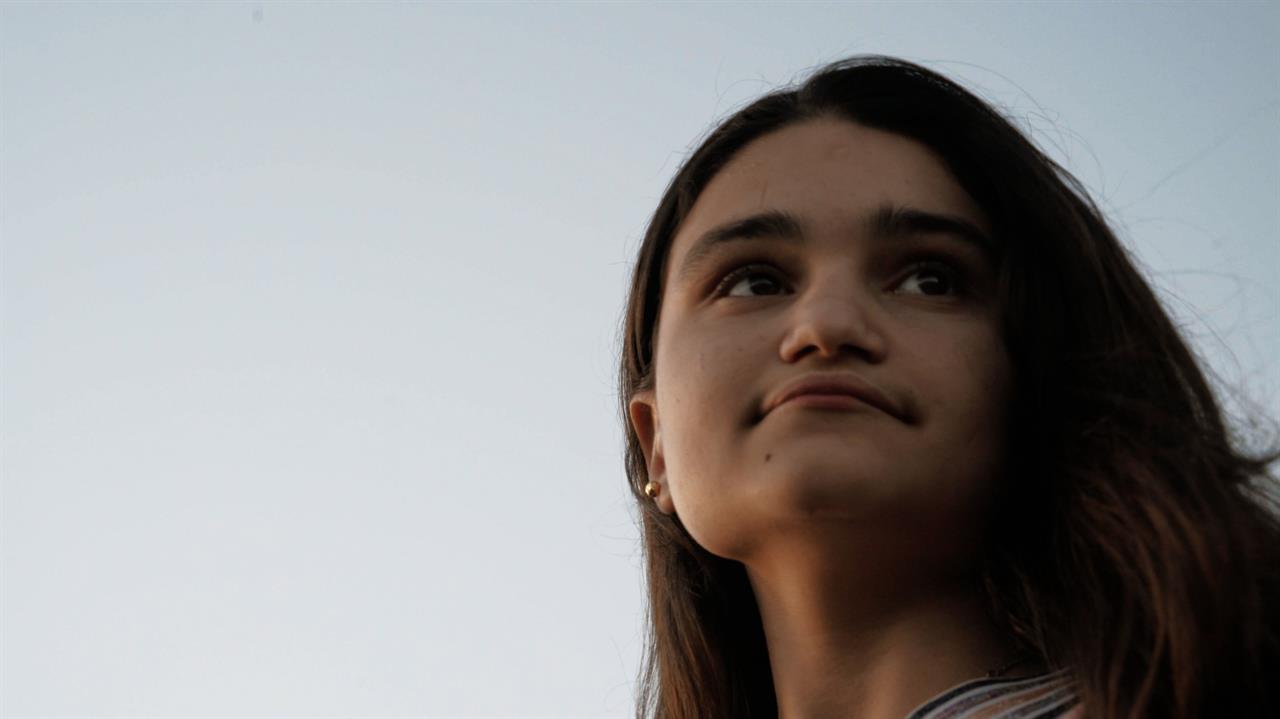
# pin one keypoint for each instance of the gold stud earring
(652, 489)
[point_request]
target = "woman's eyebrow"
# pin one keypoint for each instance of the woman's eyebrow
(774, 224)
(896, 221)
(888, 221)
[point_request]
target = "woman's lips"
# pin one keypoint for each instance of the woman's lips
(830, 401)
(835, 390)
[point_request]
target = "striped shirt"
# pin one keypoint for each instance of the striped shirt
(1047, 696)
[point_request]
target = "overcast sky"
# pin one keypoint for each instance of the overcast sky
(310, 314)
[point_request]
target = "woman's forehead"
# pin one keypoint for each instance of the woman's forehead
(829, 170)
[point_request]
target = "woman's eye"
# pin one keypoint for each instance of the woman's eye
(929, 278)
(753, 279)
(933, 279)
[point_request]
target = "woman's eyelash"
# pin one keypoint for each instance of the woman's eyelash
(729, 280)
(954, 275)
(950, 270)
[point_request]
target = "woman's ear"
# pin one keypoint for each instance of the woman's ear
(643, 410)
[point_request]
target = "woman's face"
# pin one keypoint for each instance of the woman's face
(788, 267)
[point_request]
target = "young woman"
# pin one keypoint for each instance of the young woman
(911, 436)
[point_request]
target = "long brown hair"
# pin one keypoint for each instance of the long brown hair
(1138, 548)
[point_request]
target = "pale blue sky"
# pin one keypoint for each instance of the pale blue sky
(310, 310)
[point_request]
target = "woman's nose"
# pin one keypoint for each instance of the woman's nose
(832, 316)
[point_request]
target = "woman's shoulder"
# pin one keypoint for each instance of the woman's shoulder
(1053, 695)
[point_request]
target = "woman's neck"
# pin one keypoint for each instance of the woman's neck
(872, 640)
